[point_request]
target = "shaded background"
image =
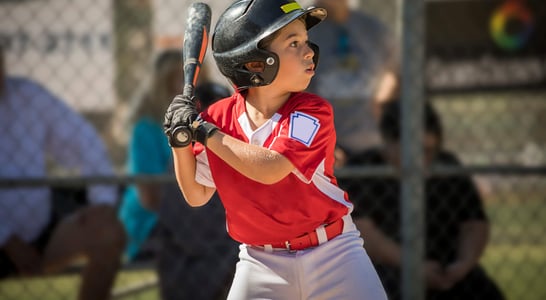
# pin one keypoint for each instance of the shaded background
(484, 70)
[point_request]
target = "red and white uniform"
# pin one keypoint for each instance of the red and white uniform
(303, 131)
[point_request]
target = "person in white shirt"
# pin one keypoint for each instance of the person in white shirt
(358, 72)
(37, 128)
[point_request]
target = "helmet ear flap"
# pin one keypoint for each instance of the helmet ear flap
(256, 80)
(316, 50)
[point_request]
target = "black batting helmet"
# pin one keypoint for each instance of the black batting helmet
(243, 25)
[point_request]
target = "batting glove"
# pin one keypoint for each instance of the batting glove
(182, 125)
(179, 116)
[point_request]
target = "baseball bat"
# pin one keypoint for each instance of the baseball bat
(196, 36)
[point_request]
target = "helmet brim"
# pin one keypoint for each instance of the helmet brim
(312, 16)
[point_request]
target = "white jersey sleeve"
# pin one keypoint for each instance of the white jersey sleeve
(203, 174)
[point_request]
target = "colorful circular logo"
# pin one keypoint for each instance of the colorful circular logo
(511, 25)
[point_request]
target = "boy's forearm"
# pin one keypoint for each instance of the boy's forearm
(250, 160)
(185, 169)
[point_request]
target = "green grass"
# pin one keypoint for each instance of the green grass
(516, 255)
(519, 222)
(519, 270)
(52, 288)
(66, 287)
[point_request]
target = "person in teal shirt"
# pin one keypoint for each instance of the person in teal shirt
(148, 151)
(148, 154)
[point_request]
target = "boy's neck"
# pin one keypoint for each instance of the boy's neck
(266, 100)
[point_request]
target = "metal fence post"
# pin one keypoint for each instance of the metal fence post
(412, 203)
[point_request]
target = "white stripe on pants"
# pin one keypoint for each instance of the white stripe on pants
(339, 269)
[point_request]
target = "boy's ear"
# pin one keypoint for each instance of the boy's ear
(255, 66)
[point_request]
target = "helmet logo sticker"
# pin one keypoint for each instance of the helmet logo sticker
(303, 127)
(289, 7)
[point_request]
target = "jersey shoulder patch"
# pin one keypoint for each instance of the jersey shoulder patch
(303, 127)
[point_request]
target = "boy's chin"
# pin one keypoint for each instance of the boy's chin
(301, 89)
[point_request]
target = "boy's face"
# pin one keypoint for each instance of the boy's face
(296, 67)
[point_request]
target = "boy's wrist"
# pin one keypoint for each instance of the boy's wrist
(203, 131)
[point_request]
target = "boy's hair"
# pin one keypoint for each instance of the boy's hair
(241, 28)
(389, 124)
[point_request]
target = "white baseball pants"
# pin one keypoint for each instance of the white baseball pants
(339, 269)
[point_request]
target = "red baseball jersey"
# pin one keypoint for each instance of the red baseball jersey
(303, 131)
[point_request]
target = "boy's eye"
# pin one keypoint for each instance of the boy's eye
(294, 44)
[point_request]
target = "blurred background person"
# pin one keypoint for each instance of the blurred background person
(358, 70)
(39, 129)
(456, 225)
(159, 223)
(197, 257)
(148, 153)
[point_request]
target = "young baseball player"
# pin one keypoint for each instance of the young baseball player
(268, 152)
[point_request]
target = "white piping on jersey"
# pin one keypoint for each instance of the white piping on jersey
(258, 136)
(323, 183)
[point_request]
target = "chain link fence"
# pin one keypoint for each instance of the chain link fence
(483, 71)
